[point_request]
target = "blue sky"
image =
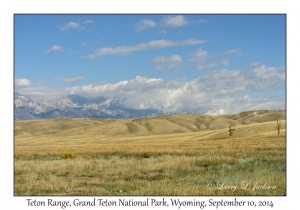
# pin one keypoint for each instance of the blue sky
(177, 62)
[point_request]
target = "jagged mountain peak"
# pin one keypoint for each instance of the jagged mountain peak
(45, 103)
(75, 106)
(22, 100)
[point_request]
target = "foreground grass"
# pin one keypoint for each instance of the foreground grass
(195, 163)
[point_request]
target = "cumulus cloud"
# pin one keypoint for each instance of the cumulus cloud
(221, 90)
(22, 82)
(200, 54)
(54, 49)
(68, 81)
(88, 22)
(173, 21)
(271, 75)
(200, 59)
(37, 91)
(144, 24)
(203, 60)
(71, 25)
(153, 44)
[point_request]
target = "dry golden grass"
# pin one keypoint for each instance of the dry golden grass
(179, 155)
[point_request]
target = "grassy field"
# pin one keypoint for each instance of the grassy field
(170, 155)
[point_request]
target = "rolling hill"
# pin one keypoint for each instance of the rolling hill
(86, 128)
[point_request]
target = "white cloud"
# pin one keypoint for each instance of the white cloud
(72, 51)
(255, 64)
(220, 90)
(42, 92)
(84, 43)
(144, 24)
(201, 66)
(174, 21)
(189, 42)
(88, 22)
(162, 32)
(233, 51)
(22, 82)
(203, 60)
(69, 81)
(172, 58)
(71, 25)
(87, 44)
(202, 21)
(200, 58)
(153, 44)
(173, 62)
(225, 62)
(225, 91)
(54, 49)
(160, 68)
(201, 54)
(271, 75)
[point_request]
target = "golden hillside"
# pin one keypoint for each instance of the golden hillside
(149, 156)
(83, 130)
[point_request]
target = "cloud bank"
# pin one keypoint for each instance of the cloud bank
(224, 91)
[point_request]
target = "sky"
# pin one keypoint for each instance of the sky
(175, 63)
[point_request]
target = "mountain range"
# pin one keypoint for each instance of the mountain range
(75, 106)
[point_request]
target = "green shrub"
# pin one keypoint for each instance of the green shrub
(67, 155)
(231, 130)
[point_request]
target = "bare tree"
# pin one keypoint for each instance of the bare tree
(278, 124)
